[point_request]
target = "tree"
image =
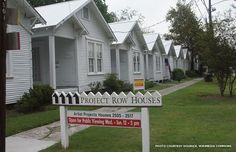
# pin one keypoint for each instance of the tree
(36, 3)
(101, 4)
(185, 28)
(109, 17)
(129, 14)
(225, 30)
(220, 51)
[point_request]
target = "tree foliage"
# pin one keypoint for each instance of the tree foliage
(109, 17)
(220, 51)
(185, 28)
(130, 14)
(36, 3)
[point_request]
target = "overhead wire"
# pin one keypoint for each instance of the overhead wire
(199, 9)
(204, 3)
(153, 25)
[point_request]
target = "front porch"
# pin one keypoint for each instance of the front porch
(55, 62)
(120, 64)
(149, 67)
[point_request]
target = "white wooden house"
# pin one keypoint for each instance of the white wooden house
(180, 57)
(186, 59)
(73, 49)
(168, 59)
(153, 57)
(127, 53)
(19, 62)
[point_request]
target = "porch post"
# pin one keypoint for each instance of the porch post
(52, 61)
(130, 64)
(147, 66)
(77, 59)
(154, 65)
(118, 62)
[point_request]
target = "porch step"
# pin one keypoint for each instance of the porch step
(66, 90)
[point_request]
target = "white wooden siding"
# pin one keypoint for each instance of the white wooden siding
(97, 32)
(21, 60)
(138, 48)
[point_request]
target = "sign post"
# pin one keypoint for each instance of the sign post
(145, 130)
(139, 85)
(64, 127)
(108, 119)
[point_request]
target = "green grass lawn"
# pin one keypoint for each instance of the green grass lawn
(17, 122)
(195, 115)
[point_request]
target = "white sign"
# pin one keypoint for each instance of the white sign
(106, 100)
(110, 119)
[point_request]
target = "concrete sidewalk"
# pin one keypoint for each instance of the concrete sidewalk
(42, 137)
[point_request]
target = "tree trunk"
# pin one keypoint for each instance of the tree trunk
(231, 85)
(222, 80)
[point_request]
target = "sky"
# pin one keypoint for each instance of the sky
(155, 11)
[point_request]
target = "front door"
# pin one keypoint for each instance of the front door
(36, 65)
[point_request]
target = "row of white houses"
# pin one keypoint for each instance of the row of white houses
(69, 45)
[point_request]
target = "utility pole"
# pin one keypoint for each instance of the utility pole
(210, 17)
(3, 8)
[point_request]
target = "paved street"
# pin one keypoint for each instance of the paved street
(45, 136)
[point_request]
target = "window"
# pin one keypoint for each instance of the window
(136, 62)
(86, 13)
(36, 64)
(95, 57)
(99, 57)
(158, 63)
(91, 57)
(8, 65)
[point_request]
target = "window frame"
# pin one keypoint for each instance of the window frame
(136, 64)
(9, 67)
(158, 64)
(84, 13)
(95, 65)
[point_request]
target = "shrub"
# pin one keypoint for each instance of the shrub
(208, 77)
(126, 87)
(95, 87)
(112, 83)
(178, 74)
(35, 99)
(149, 84)
(191, 74)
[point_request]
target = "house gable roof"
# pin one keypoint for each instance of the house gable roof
(169, 47)
(151, 39)
(58, 13)
(123, 30)
(185, 53)
(179, 51)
